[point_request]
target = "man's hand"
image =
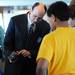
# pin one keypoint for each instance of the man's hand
(24, 52)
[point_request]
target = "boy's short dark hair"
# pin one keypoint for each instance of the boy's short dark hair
(60, 10)
(36, 4)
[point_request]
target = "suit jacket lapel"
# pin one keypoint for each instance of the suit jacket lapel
(24, 25)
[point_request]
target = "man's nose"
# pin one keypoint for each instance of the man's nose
(36, 19)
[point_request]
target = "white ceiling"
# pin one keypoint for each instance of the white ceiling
(26, 2)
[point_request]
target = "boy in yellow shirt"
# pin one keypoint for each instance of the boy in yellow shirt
(57, 51)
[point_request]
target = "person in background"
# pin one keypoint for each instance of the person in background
(72, 13)
(22, 41)
(1, 41)
(1, 49)
(57, 51)
(1, 35)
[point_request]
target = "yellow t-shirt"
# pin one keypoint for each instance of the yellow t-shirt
(58, 48)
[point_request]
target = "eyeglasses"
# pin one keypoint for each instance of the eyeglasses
(38, 18)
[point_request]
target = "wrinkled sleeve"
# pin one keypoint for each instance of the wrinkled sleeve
(46, 49)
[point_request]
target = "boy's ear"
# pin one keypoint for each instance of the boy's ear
(54, 18)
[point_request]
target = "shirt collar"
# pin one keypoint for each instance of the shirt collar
(29, 21)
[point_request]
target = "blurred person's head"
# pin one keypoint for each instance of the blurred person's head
(37, 12)
(58, 14)
(72, 13)
(72, 2)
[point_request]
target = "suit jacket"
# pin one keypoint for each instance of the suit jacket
(17, 37)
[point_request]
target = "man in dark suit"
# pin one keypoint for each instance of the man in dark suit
(21, 46)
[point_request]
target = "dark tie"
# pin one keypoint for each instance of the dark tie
(31, 29)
